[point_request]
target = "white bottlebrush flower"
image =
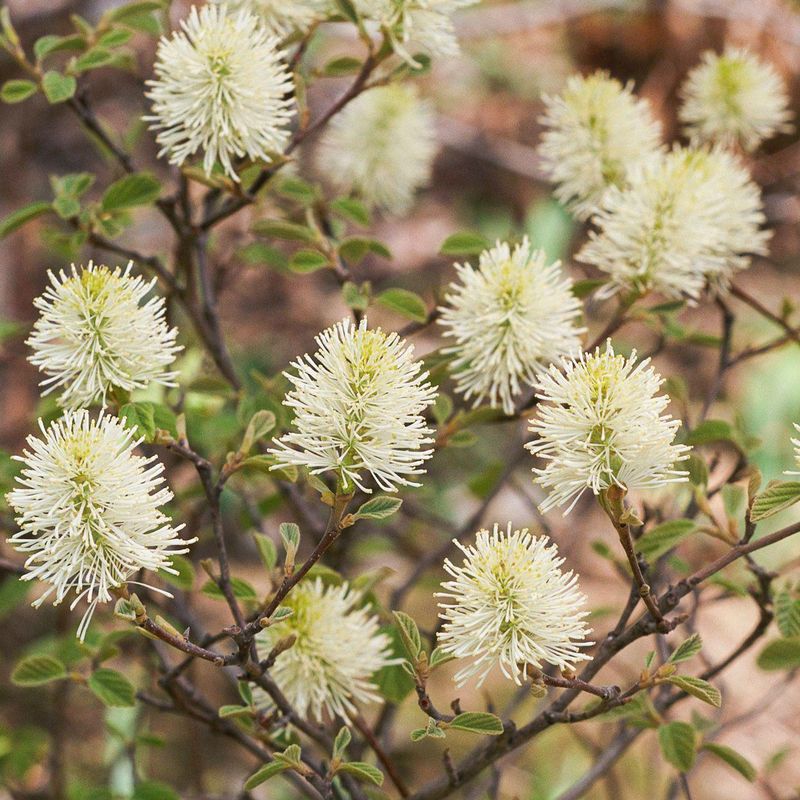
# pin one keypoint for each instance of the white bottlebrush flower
(734, 98)
(338, 648)
(382, 146)
(97, 331)
(597, 131)
(599, 423)
(689, 218)
(796, 443)
(358, 406)
(221, 87)
(510, 318)
(415, 26)
(89, 510)
(511, 606)
(283, 17)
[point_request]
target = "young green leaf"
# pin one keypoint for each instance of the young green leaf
(687, 649)
(133, 190)
(265, 773)
(341, 742)
(308, 260)
(362, 771)
(780, 654)
(58, 88)
(409, 634)
(378, 508)
(235, 711)
(15, 91)
(787, 614)
(477, 722)
(266, 550)
(777, 496)
(465, 243)
(732, 759)
(112, 688)
(242, 590)
(408, 304)
(38, 670)
(290, 536)
(662, 538)
(22, 215)
(678, 744)
(698, 688)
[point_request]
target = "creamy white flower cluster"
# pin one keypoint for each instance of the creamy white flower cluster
(381, 146)
(358, 405)
(89, 510)
(510, 606)
(677, 221)
(510, 318)
(221, 88)
(101, 330)
(734, 98)
(415, 26)
(599, 423)
(89, 507)
(338, 649)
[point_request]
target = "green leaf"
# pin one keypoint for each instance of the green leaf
(92, 59)
(138, 189)
(38, 670)
(129, 10)
(280, 229)
(351, 209)
(340, 743)
(379, 507)
(698, 688)
(308, 261)
(463, 438)
(687, 649)
(266, 550)
(393, 681)
(776, 497)
(265, 773)
(245, 691)
(58, 88)
(52, 44)
(242, 590)
(478, 722)
(124, 609)
(677, 740)
(713, 430)
(112, 688)
(154, 790)
(17, 90)
(732, 759)
(356, 296)
(140, 417)
(362, 771)
(235, 711)
(115, 38)
(409, 634)
(465, 243)
(290, 536)
(698, 470)
(780, 654)
(185, 578)
(408, 304)
(439, 657)
(354, 248)
(787, 614)
(296, 189)
(584, 288)
(662, 538)
(339, 67)
(22, 215)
